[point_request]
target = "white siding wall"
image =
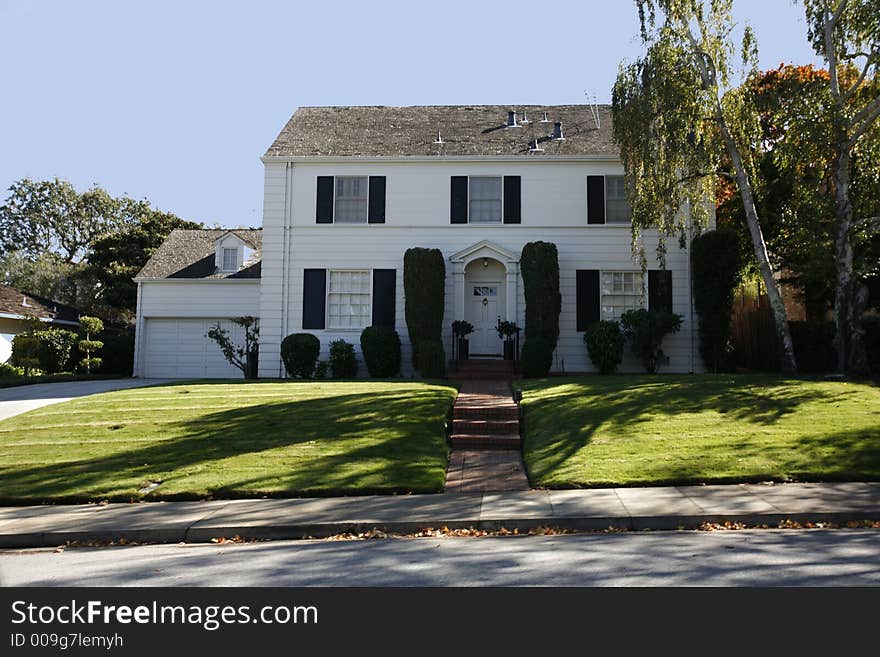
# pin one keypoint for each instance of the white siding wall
(417, 214)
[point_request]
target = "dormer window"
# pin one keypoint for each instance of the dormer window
(230, 259)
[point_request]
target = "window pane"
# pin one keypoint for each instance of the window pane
(621, 291)
(351, 199)
(230, 259)
(617, 208)
(348, 302)
(485, 203)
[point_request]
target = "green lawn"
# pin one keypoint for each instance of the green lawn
(228, 439)
(648, 430)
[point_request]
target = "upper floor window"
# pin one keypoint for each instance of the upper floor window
(485, 199)
(230, 259)
(351, 199)
(617, 207)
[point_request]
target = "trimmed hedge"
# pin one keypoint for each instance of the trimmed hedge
(424, 287)
(604, 345)
(716, 258)
(431, 362)
(299, 351)
(56, 350)
(539, 264)
(380, 346)
(343, 361)
(537, 357)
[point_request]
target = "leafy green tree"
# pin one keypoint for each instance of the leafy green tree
(846, 33)
(46, 275)
(91, 326)
(676, 112)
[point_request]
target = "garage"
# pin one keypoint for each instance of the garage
(178, 349)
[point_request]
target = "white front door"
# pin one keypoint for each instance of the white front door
(484, 310)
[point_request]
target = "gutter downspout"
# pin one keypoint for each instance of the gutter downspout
(138, 333)
(690, 238)
(285, 258)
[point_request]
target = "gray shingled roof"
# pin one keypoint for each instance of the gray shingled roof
(15, 302)
(190, 254)
(467, 130)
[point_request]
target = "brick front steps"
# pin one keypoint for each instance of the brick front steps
(487, 369)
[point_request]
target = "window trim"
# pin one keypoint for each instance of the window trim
(223, 250)
(366, 216)
(500, 177)
(644, 294)
(606, 224)
(358, 270)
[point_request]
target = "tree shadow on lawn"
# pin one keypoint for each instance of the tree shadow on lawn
(559, 424)
(410, 455)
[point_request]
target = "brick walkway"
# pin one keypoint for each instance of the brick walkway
(485, 440)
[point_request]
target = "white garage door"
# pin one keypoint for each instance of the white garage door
(178, 348)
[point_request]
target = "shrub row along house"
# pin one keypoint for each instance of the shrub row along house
(349, 189)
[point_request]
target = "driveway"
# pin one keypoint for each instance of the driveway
(21, 399)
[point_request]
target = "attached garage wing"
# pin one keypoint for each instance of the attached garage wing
(179, 349)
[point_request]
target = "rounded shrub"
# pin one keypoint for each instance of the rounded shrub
(424, 287)
(717, 262)
(10, 372)
(431, 361)
(645, 331)
(604, 345)
(380, 346)
(343, 360)
(56, 349)
(299, 351)
(537, 357)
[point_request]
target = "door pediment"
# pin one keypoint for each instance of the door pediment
(484, 249)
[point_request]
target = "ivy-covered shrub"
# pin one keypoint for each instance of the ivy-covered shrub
(645, 330)
(56, 349)
(299, 351)
(537, 357)
(424, 281)
(9, 372)
(871, 323)
(604, 345)
(814, 346)
(431, 362)
(343, 360)
(717, 263)
(539, 264)
(380, 346)
(118, 353)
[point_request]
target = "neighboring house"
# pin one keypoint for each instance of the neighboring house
(16, 307)
(349, 189)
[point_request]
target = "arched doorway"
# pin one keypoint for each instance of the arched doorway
(485, 304)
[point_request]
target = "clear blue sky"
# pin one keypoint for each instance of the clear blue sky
(176, 101)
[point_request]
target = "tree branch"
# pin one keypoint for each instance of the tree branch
(849, 93)
(831, 51)
(866, 222)
(863, 120)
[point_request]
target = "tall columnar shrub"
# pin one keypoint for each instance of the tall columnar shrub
(299, 351)
(645, 330)
(604, 345)
(424, 280)
(343, 361)
(540, 271)
(716, 264)
(537, 357)
(91, 326)
(431, 362)
(380, 346)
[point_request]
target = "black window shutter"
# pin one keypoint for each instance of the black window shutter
(458, 200)
(324, 210)
(512, 200)
(377, 200)
(384, 295)
(660, 289)
(595, 199)
(587, 298)
(314, 298)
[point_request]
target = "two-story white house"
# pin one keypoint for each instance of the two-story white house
(349, 189)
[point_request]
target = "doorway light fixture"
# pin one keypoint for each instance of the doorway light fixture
(485, 262)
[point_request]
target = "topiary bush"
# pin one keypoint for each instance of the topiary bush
(537, 357)
(55, 350)
(717, 264)
(343, 360)
(431, 362)
(813, 344)
(604, 345)
(539, 264)
(380, 346)
(299, 351)
(645, 331)
(424, 287)
(90, 326)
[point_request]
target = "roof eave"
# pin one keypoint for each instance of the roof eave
(597, 157)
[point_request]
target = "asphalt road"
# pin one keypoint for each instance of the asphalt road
(732, 558)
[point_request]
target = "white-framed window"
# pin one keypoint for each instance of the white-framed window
(348, 299)
(485, 199)
(621, 291)
(229, 258)
(617, 207)
(351, 197)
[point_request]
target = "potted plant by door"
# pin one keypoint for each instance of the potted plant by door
(508, 331)
(460, 330)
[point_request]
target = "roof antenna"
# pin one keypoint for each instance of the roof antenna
(594, 111)
(439, 139)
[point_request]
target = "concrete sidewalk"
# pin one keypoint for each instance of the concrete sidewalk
(626, 508)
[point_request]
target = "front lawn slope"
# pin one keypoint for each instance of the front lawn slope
(224, 439)
(651, 430)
